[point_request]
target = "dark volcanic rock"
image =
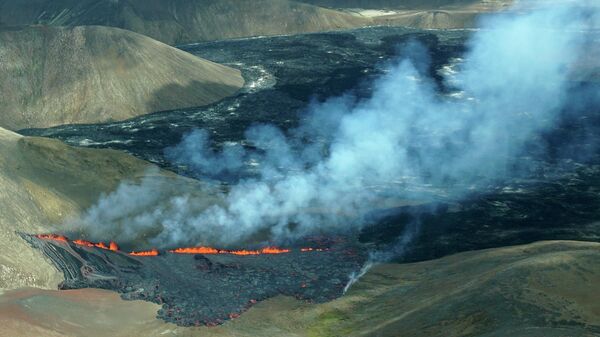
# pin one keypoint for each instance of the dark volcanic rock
(206, 289)
(551, 193)
(520, 213)
(283, 74)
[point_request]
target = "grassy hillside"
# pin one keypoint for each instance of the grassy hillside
(57, 75)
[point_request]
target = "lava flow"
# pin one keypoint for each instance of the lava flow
(112, 245)
(210, 285)
(210, 250)
(54, 237)
(152, 252)
(186, 250)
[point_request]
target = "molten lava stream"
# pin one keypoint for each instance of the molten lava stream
(242, 252)
(195, 250)
(101, 245)
(274, 250)
(152, 252)
(113, 246)
(54, 237)
(186, 250)
(85, 243)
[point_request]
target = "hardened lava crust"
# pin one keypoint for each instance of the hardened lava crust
(207, 289)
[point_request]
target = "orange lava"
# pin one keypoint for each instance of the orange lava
(113, 246)
(210, 250)
(241, 252)
(84, 243)
(152, 252)
(273, 250)
(80, 242)
(195, 250)
(54, 237)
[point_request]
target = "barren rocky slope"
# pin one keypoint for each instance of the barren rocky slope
(542, 289)
(184, 21)
(43, 182)
(181, 21)
(55, 75)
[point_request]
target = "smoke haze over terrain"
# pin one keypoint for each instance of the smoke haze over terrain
(510, 87)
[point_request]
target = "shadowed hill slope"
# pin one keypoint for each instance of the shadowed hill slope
(56, 75)
(544, 289)
(182, 21)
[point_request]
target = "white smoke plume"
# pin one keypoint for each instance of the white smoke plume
(511, 87)
(356, 276)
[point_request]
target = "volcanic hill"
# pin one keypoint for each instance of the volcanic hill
(67, 75)
(182, 21)
(43, 182)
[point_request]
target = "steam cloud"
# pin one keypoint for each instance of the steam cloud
(511, 87)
